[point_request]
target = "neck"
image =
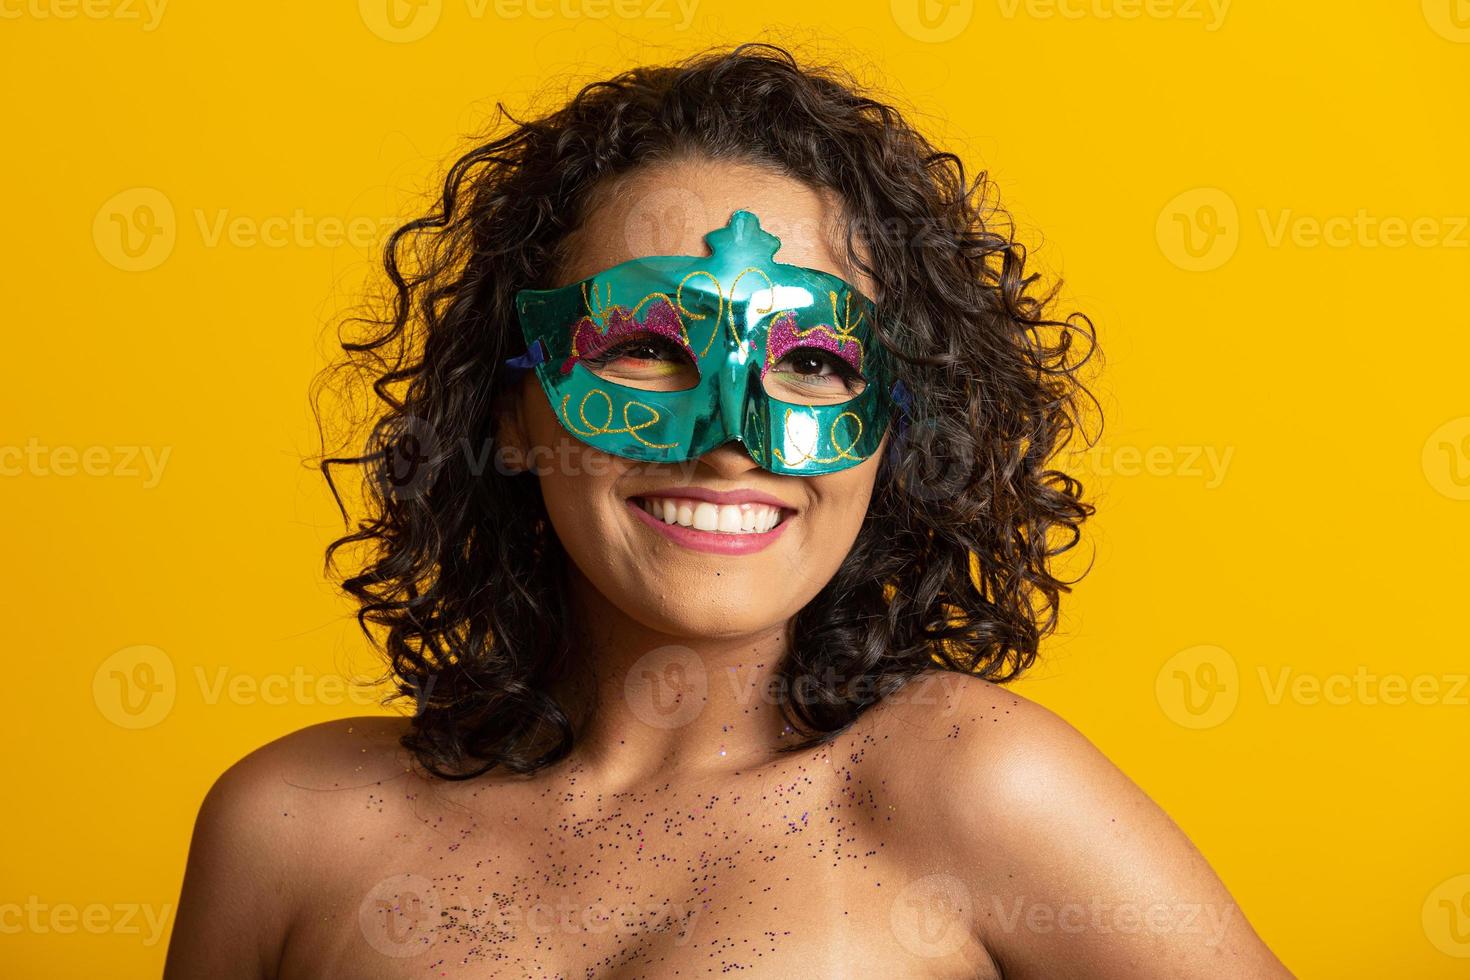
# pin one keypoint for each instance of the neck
(653, 705)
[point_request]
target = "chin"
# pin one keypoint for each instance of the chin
(698, 614)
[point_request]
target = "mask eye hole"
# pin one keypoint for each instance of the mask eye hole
(812, 376)
(647, 361)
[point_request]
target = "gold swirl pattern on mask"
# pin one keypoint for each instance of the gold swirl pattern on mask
(839, 341)
(598, 305)
(758, 423)
(845, 324)
(603, 429)
(843, 452)
(691, 314)
(770, 288)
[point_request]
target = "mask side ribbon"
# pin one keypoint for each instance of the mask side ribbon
(522, 363)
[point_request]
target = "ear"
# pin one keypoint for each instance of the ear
(512, 438)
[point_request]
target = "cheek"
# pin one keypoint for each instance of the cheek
(838, 505)
(576, 480)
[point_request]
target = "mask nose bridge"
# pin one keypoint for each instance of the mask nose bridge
(730, 390)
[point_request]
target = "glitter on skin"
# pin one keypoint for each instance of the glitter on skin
(696, 867)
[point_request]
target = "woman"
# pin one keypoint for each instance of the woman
(710, 505)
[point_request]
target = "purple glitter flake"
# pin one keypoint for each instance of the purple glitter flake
(784, 338)
(589, 341)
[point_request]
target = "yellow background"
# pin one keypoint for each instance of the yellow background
(1327, 375)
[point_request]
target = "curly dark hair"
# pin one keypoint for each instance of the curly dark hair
(953, 566)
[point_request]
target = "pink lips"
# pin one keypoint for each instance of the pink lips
(715, 542)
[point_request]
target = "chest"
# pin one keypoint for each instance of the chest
(788, 875)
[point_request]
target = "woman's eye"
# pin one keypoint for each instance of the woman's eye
(819, 367)
(640, 349)
(651, 362)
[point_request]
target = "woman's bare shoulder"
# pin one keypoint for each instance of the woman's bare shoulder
(268, 831)
(282, 793)
(321, 755)
(1068, 865)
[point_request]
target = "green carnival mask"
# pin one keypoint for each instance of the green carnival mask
(727, 331)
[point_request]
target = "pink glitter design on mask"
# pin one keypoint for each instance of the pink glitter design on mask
(589, 341)
(784, 337)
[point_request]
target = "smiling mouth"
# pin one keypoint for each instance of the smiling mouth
(701, 515)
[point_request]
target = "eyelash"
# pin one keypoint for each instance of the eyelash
(622, 348)
(841, 368)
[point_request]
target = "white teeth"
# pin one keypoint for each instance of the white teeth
(705, 516)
